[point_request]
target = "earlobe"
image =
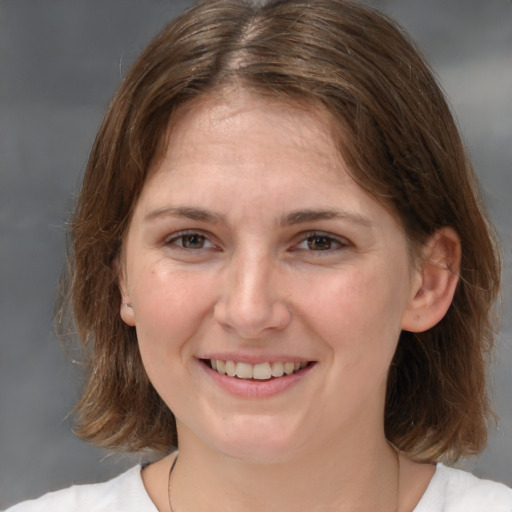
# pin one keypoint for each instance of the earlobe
(126, 311)
(435, 281)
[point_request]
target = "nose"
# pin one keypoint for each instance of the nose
(253, 302)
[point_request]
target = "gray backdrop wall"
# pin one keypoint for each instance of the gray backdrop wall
(60, 62)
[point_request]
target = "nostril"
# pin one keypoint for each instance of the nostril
(252, 321)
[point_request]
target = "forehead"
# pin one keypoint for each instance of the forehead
(231, 151)
(234, 136)
(238, 126)
(239, 136)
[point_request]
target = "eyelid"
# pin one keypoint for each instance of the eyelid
(340, 241)
(188, 232)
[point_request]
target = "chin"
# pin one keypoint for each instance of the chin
(259, 446)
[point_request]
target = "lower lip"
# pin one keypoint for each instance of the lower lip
(253, 388)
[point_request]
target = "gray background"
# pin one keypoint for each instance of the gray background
(60, 62)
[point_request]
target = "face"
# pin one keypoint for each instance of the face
(268, 290)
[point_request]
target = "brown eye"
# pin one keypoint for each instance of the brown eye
(320, 243)
(193, 241)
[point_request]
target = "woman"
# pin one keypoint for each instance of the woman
(280, 265)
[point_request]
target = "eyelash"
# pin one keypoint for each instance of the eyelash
(188, 234)
(309, 238)
(306, 238)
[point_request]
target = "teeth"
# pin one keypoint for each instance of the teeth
(261, 371)
(230, 368)
(288, 368)
(277, 369)
(244, 370)
(221, 366)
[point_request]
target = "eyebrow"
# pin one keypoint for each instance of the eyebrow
(290, 219)
(303, 216)
(186, 212)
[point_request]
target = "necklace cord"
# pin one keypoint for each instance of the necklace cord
(169, 483)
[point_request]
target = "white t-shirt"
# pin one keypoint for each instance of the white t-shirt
(450, 490)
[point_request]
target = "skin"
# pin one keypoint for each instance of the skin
(218, 263)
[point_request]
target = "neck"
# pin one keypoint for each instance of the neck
(348, 478)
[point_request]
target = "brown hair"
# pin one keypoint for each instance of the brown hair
(402, 146)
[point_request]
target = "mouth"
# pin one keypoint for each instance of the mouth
(260, 371)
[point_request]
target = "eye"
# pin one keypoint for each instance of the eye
(321, 242)
(192, 240)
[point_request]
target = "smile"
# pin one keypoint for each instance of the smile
(260, 371)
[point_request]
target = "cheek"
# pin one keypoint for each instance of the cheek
(358, 309)
(170, 307)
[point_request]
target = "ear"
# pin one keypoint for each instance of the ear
(435, 281)
(126, 311)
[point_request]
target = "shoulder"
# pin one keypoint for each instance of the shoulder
(454, 490)
(124, 493)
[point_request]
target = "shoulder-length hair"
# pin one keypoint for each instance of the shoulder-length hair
(400, 141)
